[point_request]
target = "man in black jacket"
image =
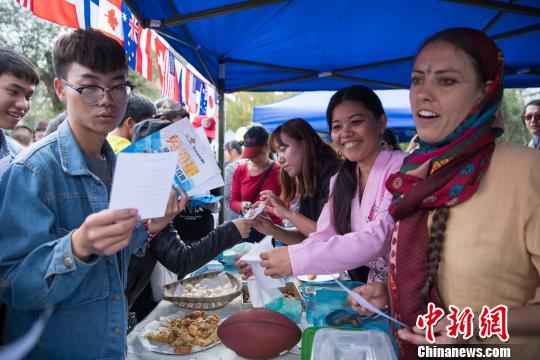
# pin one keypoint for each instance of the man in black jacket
(171, 251)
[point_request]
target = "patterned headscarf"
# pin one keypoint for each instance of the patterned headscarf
(444, 174)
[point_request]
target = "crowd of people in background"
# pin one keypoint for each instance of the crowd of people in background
(412, 226)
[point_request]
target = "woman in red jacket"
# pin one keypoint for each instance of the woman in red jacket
(259, 173)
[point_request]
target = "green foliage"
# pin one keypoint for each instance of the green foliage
(34, 37)
(239, 106)
(31, 36)
(512, 110)
(145, 87)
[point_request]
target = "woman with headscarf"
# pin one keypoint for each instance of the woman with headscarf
(467, 208)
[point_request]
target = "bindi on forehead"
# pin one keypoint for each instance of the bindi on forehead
(429, 70)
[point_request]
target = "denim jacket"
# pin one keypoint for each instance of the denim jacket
(47, 193)
(8, 150)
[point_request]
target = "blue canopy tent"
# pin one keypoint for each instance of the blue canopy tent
(303, 45)
(311, 106)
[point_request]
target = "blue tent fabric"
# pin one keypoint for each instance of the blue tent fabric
(311, 106)
(327, 45)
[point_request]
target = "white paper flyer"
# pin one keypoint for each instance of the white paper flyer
(196, 168)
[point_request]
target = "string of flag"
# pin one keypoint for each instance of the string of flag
(115, 19)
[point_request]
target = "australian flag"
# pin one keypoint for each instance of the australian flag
(137, 44)
(132, 34)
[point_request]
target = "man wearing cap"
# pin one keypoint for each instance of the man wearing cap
(259, 173)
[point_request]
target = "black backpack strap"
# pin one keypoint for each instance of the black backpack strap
(262, 182)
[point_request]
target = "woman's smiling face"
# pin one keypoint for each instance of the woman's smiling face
(445, 87)
(356, 131)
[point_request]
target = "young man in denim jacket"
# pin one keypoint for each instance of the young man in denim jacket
(61, 247)
(18, 81)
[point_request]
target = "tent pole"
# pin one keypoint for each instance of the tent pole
(516, 32)
(496, 19)
(330, 74)
(190, 40)
(372, 65)
(221, 130)
(270, 66)
(370, 82)
(208, 13)
(501, 6)
(533, 70)
(272, 83)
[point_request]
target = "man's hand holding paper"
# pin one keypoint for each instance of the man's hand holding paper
(104, 233)
(143, 181)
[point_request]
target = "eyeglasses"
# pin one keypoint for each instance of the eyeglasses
(93, 94)
(529, 117)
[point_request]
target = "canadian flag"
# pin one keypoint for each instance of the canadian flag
(110, 19)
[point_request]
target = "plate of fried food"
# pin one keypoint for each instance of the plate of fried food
(181, 333)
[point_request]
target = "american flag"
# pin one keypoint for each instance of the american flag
(167, 71)
(191, 87)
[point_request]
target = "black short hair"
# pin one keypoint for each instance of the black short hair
(233, 144)
(148, 127)
(535, 102)
(139, 108)
(173, 114)
(11, 62)
(89, 48)
(391, 139)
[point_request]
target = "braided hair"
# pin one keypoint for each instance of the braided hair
(436, 237)
(483, 68)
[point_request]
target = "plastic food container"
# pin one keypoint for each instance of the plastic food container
(321, 300)
(334, 344)
(290, 290)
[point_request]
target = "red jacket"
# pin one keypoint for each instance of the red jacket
(243, 186)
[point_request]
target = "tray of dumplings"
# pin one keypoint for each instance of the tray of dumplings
(212, 290)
